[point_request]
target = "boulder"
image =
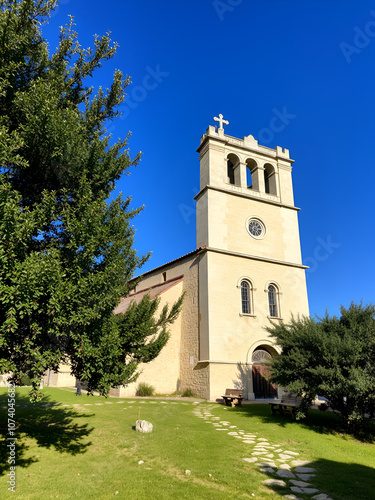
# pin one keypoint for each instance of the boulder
(143, 426)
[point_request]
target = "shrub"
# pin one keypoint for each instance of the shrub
(144, 389)
(188, 393)
(25, 380)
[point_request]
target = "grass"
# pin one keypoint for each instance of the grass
(84, 452)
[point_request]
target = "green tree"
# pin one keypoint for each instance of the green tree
(66, 250)
(333, 357)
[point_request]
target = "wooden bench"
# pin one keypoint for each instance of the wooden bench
(287, 405)
(233, 397)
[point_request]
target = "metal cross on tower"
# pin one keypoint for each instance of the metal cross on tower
(221, 121)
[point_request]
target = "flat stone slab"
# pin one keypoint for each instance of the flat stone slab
(305, 477)
(234, 434)
(284, 457)
(307, 491)
(291, 452)
(300, 463)
(269, 470)
(304, 470)
(301, 484)
(262, 439)
(285, 473)
(265, 464)
(292, 497)
(259, 452)
(284, 466)
(274, 482)
(250, 460)
(271, 455)
(248, 441)
(322, 496)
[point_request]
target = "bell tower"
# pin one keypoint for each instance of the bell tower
(251, 271)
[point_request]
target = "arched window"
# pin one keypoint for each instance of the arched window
(272, 301)
(245, 297)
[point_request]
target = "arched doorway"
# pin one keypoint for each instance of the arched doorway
(262, 388)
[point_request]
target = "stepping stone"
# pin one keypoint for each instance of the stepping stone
(250, 460)
(322, 496)
(271, 455)
(269, 470)
(305, 477)
(292, 497)
(262, 439)
(274, 482)
(233, 427)
(301, 484)
(232, 433)
(300, 463)
(291, 452)
(304, 470)
(284, 457)
(307, 491)
(285, 467)
(285, 473)
(248, 441)
(259, 452)
(279, 450)
(259, 448)
(220, 429)
(265, 464)
(224, 422)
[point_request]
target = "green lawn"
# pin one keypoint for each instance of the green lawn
(78, 451)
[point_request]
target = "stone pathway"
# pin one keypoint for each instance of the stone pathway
(288, 471)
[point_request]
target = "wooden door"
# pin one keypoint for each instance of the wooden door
(261, 386)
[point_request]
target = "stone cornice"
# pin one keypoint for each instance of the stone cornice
(243, 195)
(255, 257)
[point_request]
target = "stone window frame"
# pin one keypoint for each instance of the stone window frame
(251, 289)
(278, 294)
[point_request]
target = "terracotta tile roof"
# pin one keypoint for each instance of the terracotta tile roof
(154, 290)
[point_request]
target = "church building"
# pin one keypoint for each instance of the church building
(245, 273)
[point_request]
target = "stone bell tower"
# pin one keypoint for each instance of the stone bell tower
(251, 272)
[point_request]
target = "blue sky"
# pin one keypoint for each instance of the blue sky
(189, 60)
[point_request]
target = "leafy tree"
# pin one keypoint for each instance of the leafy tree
(333, 357)
(66, 250)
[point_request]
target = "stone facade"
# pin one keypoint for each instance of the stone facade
(220, 344)
(248, 247)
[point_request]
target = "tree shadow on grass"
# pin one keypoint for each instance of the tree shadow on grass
(338, 480)
(317, 421)
(49, 424)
